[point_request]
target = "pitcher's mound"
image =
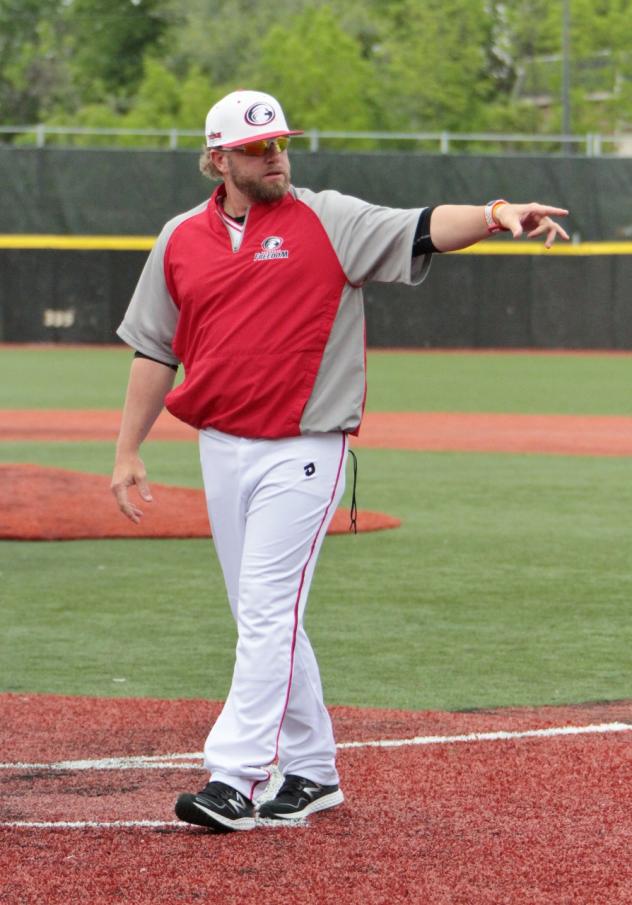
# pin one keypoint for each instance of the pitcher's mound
(54, 504)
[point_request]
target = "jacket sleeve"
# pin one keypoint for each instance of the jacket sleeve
(372, 243)
(151, 317)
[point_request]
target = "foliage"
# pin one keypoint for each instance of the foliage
(434, 65)
(33, 70)
(385, 65)
(109, 39)
(321, 72)
(600, 58)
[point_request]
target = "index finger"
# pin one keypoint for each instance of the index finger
(548, 211)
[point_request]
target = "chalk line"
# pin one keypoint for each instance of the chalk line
(91, 824)
(136, 824)
(500, 736)
(183, 761)
(193, 761)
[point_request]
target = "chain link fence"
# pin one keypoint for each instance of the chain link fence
(589, 145)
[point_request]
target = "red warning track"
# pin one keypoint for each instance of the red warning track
(531, 819)
(599, 435)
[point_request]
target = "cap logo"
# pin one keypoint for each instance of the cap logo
(259, 114)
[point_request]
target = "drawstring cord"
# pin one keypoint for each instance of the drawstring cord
(353, 526)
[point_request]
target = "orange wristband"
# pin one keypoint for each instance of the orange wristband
(490, 219)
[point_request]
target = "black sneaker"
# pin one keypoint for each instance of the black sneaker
(218, 807)
(299, 797)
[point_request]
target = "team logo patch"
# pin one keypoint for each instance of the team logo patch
(259, 115)
(271, 249)
(271, 243)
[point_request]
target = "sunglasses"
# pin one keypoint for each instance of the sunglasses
(260, 148)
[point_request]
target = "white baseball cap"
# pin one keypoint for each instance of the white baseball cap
(245, 116)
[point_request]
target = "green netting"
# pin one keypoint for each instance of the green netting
(134, 192)
(472, 301)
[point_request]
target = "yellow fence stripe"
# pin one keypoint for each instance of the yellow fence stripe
(522, 247)
(145, 243)
(79, 243)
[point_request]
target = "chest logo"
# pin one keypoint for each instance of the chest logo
(271, 249)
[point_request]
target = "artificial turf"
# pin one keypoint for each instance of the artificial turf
(508, 583)
(95, 377)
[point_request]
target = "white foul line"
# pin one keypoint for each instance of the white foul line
(135, 824)
(500, 736)
(92, 824)
(153, 762)
(179, 761)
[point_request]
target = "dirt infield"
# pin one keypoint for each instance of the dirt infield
(29, 496)
(596, 435)
(506, 807)
(55, 504)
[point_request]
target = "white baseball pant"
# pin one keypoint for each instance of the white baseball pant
(270, 503)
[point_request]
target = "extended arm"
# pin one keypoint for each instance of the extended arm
(149, 383)
(455, 226)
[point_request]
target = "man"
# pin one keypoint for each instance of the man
(257, 292)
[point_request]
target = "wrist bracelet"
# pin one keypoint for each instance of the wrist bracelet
(490, 220)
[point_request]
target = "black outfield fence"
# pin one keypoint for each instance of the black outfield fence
(78, 294)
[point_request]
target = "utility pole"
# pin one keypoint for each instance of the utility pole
(566, 70)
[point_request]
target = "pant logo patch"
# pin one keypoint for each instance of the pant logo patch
(309, 469)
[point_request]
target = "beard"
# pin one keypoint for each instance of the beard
(257, 190)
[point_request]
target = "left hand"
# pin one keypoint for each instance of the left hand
(534, 218)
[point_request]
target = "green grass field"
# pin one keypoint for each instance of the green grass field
(93, 377)
(508, 583)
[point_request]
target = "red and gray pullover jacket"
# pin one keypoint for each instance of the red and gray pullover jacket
(271, 336)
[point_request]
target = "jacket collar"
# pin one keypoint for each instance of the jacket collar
(256, 211)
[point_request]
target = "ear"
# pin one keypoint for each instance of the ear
(219, 160)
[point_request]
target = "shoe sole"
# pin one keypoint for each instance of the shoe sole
(320, 804)
(190, 811)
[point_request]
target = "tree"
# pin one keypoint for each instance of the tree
(221, 37)
(162, 102)
(458, 65)
(434, 65)
(33, 50)
(110, 39)
(600, 61)
(321, 75)
(60, 55)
